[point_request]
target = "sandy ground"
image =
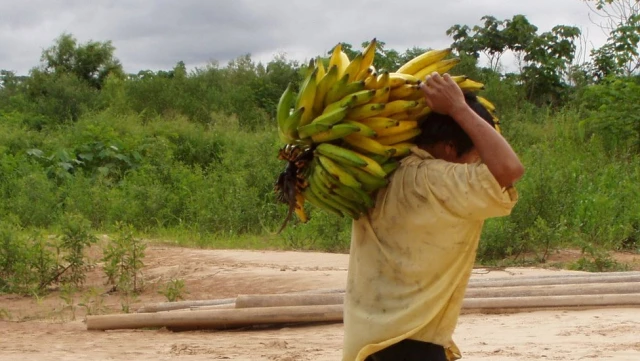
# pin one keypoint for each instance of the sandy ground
(45, 329)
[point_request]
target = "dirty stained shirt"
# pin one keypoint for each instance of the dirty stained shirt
(412, 256)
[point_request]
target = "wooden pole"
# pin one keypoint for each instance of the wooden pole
(542, 281)
(217, 319)
(282, 300)
(551, 301)
(247, 301)
(171, 306)
(555, 290)
(230, 318)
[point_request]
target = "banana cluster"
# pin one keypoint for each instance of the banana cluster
(348, 125)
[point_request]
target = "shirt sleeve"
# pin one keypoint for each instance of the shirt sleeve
(467, 191)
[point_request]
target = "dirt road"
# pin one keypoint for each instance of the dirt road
(39, 330)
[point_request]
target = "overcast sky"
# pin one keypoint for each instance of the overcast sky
(157, 34)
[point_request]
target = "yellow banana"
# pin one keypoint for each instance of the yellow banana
(337, 171)
(364, 131)
(471, 85)
(384, 80)
(486, 104)
(403, 92)
(299, 208)
(379, 122)
(339, 59)
(396, 106)
(423, 60)
(365, 144)
(321, 70)
(399, 138)
(441, 67)
(402, 149)
(403, 126)
(366, 111)
(368, 54)
(338, 131)
(364, 74)
(371, 82)
(340, 154)
(361, 97)
(344, 62)
(419, 113)
(399, 79)
(372, 166)
(353, 69)
(381, 95)
(306, 97)
(323, 87)
(400, 116)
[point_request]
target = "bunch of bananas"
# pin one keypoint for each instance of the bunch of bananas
(348, 126)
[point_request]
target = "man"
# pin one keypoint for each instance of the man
(412, 256)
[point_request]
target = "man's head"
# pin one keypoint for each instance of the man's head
(445, 139)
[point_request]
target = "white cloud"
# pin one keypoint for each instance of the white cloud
(158, 34)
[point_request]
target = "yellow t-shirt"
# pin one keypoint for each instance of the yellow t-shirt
(412, 256)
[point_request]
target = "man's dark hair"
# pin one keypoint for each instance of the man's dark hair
(438, 127)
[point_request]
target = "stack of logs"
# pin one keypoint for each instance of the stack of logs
(497, 295)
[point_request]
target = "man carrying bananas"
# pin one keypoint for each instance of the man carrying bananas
(412, 256)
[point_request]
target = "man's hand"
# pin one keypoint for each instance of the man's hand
(442, 94)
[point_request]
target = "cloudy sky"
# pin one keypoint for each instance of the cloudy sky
(157, 34)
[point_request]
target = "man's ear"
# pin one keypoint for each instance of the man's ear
(450, 150)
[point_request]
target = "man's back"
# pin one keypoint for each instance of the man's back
(411, 258)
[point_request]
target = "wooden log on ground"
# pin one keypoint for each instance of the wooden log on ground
(282, 300)
(240, 317)
(555, 290)
(248, 301)
(171, 306)
(217, 319)
(543, 281)
(551, 301)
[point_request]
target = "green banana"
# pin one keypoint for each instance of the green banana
(312, 128)
(282, 113)
(340, 154)
(353, 194)
(313, 199)
(335, 170)
(290, 125)
(334, 202)
(390, 165)
(331, 117)
(337, 131)
(369, 182)
(336, 90)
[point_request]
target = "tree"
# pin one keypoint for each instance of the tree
(543, 59)
(620, 21)
(91, 62)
